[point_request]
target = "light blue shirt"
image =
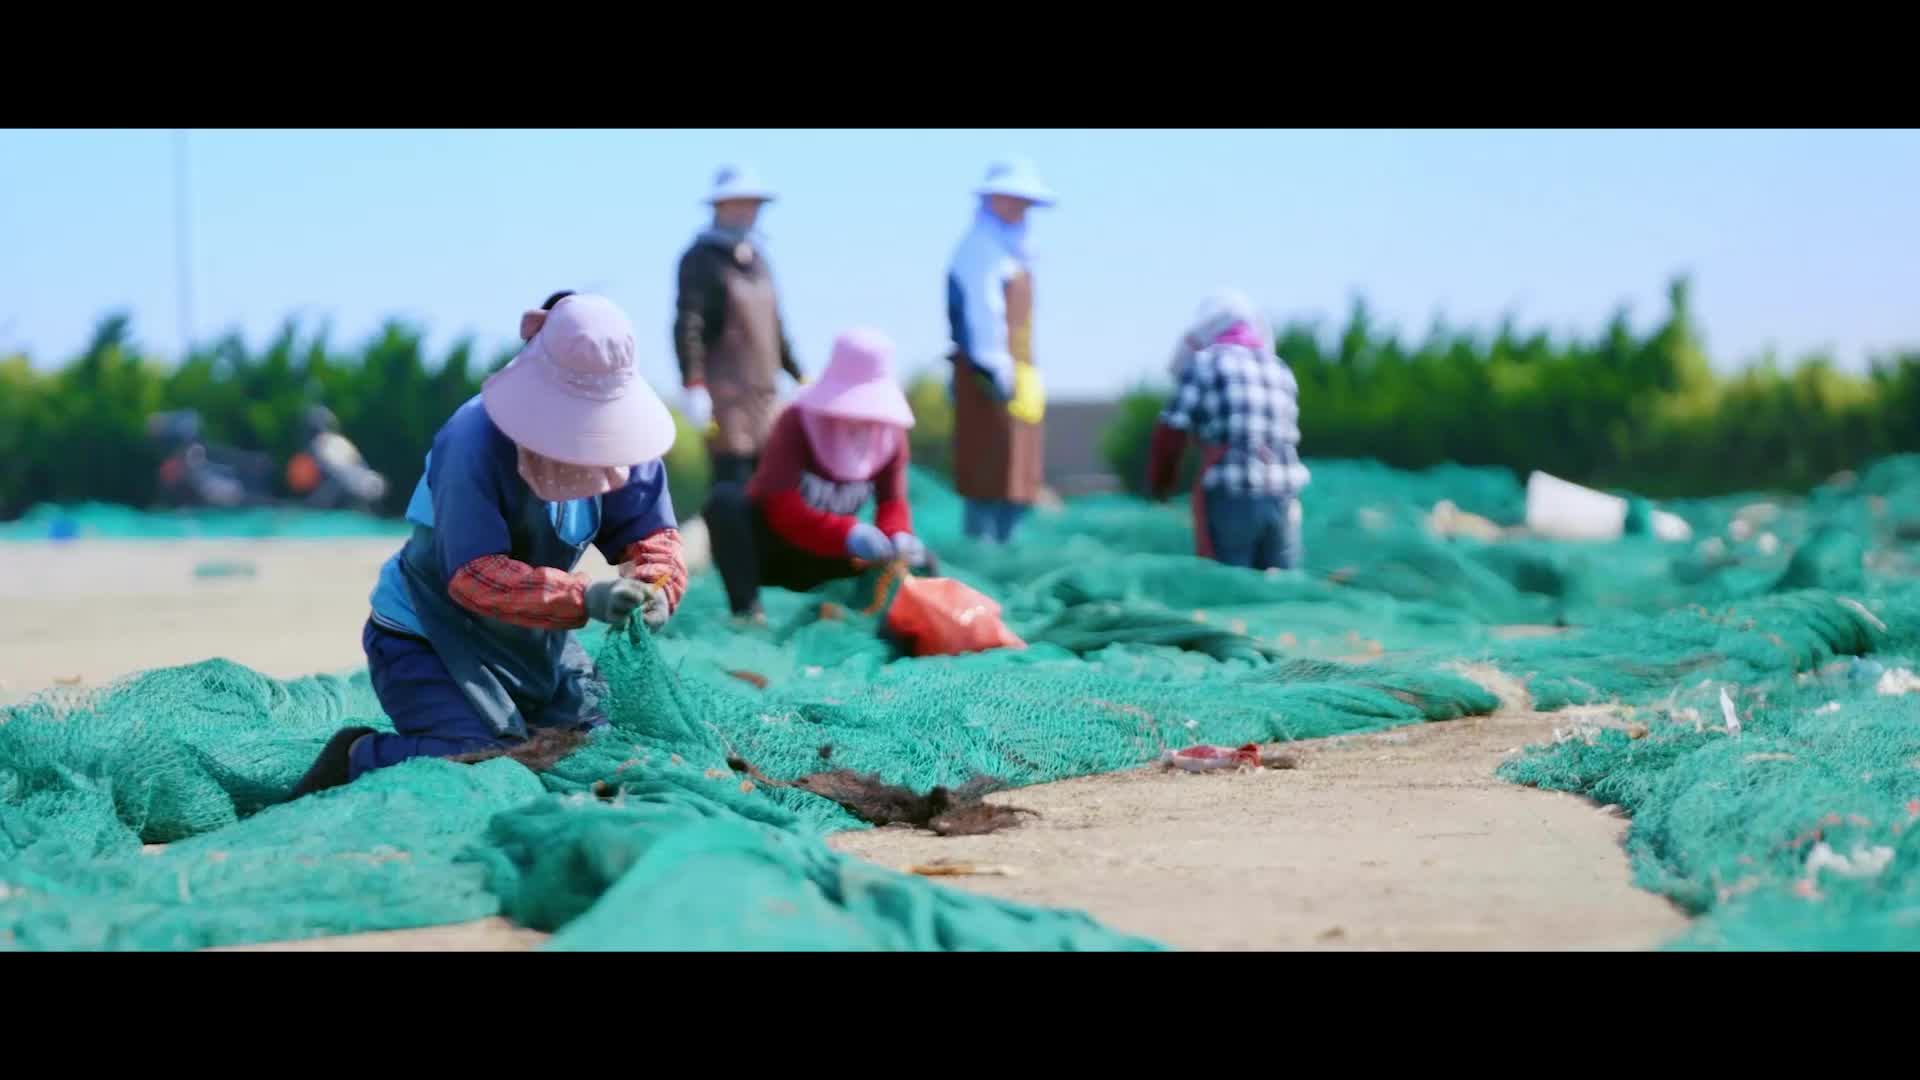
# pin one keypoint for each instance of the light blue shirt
(989, 255)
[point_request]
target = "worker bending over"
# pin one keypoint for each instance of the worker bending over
(841, 444)
(468, 644)
(1240, 402)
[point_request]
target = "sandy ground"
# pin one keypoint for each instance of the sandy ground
(1401, 840)
(1397, 840)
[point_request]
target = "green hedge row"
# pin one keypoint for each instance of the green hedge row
(1622, 410)
(79, 433)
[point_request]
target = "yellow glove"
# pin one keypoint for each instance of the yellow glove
(1029, 402)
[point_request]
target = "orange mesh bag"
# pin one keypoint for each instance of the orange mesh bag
(941, 617)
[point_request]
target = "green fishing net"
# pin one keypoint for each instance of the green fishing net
(108, 521)
(148, 815)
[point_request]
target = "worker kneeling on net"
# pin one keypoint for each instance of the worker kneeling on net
(1240, 402)
(841, 443)
(468, 644)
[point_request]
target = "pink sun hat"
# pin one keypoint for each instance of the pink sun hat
(574, 395)
(858, 383)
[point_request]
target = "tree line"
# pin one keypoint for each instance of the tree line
(1638, 411)
(1624, 409)
(79, 433)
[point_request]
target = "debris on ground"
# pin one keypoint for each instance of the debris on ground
(1897, 681)
(945, 811)
(1865, 862)
(539, 752)
(1449, 520)
(950, 868)
(1206, 758)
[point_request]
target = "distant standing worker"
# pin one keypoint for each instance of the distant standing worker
(727, 329)
(1240, 402)
(999, 445)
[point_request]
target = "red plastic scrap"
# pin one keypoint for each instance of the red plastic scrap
(1206, 757)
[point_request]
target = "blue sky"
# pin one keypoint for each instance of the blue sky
(1797, 240)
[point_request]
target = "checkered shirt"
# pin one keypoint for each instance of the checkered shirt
(1235, 397)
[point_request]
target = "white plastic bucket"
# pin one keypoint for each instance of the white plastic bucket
(1559, 510)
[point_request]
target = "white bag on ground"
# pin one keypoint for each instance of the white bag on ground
(1560, 510)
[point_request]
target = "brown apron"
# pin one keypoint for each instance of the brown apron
(997, 458)
(744, 363)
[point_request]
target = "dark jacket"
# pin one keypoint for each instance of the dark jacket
(728, 336)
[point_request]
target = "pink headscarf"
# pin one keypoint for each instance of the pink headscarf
(1227, 317)
(1240, 334)
(557, 481)
(850, 450)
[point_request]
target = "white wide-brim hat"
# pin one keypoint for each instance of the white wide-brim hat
(738, 182)
(1018, 178)
(574, 394)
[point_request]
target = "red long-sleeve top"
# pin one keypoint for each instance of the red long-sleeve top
(544, 598)
(814, 512)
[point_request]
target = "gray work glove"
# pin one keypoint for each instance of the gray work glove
(654, 610)
(611, 602)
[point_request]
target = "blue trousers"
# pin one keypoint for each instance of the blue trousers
(431, 717)
(1257, 531)
(993, 521)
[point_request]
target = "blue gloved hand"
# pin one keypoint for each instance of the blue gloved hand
(869, 543)
(907, 547)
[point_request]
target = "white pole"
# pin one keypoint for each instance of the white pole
(184, 271)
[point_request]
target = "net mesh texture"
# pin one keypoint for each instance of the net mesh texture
(149, 815)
